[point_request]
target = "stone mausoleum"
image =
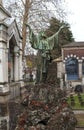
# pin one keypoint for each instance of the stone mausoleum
(71, 65)
(10, 64)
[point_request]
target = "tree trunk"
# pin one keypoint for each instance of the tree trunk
(25, 20)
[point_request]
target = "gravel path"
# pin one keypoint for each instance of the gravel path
(78, 111)
(79, 128)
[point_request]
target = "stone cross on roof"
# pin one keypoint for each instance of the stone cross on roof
(1, 3)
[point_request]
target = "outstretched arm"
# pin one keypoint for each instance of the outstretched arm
(57, 33)
(54, 38)
(32, 37)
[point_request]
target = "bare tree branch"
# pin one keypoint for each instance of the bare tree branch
(23, 2)
(36, 13)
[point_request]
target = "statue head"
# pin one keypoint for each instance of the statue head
(42, 34)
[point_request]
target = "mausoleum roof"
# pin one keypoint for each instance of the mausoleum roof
(5, 11)
(9, 21)
(74, 44)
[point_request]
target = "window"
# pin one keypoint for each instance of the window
(71, 66)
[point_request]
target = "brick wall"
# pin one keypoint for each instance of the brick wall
(75, 51)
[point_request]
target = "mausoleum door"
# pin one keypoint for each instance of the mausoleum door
(71, 66)
(11, 62)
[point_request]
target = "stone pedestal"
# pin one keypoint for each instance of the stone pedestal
(23, 90)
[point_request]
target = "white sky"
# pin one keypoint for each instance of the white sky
(76, 18)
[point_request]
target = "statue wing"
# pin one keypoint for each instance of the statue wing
(33, 38)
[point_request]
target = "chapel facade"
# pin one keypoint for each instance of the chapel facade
(71, 65)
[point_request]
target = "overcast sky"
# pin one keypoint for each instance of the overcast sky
(76, 18)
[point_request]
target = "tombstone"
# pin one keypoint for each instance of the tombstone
(10, 62)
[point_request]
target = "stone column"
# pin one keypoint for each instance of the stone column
(65, 77)
(20, 66)
(80, 68)
(4, 97)
(61, 83)
(63, 66)
(3, 63)
(4, 87)
(12, 68)
(23, 91)
(16, 66)
(64, 74)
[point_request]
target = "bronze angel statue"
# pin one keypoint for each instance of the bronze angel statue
(44, 45)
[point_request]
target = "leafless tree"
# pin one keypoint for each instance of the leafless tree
(35, 12)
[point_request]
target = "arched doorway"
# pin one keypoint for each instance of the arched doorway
(11, 59)
(71, 66)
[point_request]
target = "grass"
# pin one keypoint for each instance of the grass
(77, 103)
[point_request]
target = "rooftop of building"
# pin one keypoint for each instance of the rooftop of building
(74, 44)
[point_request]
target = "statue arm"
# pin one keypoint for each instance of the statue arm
(54, 38)
(32, 37)
(57, 33)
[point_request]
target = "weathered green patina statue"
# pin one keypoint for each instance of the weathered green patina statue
(44, 45)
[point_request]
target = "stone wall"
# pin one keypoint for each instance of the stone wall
(75, 51)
